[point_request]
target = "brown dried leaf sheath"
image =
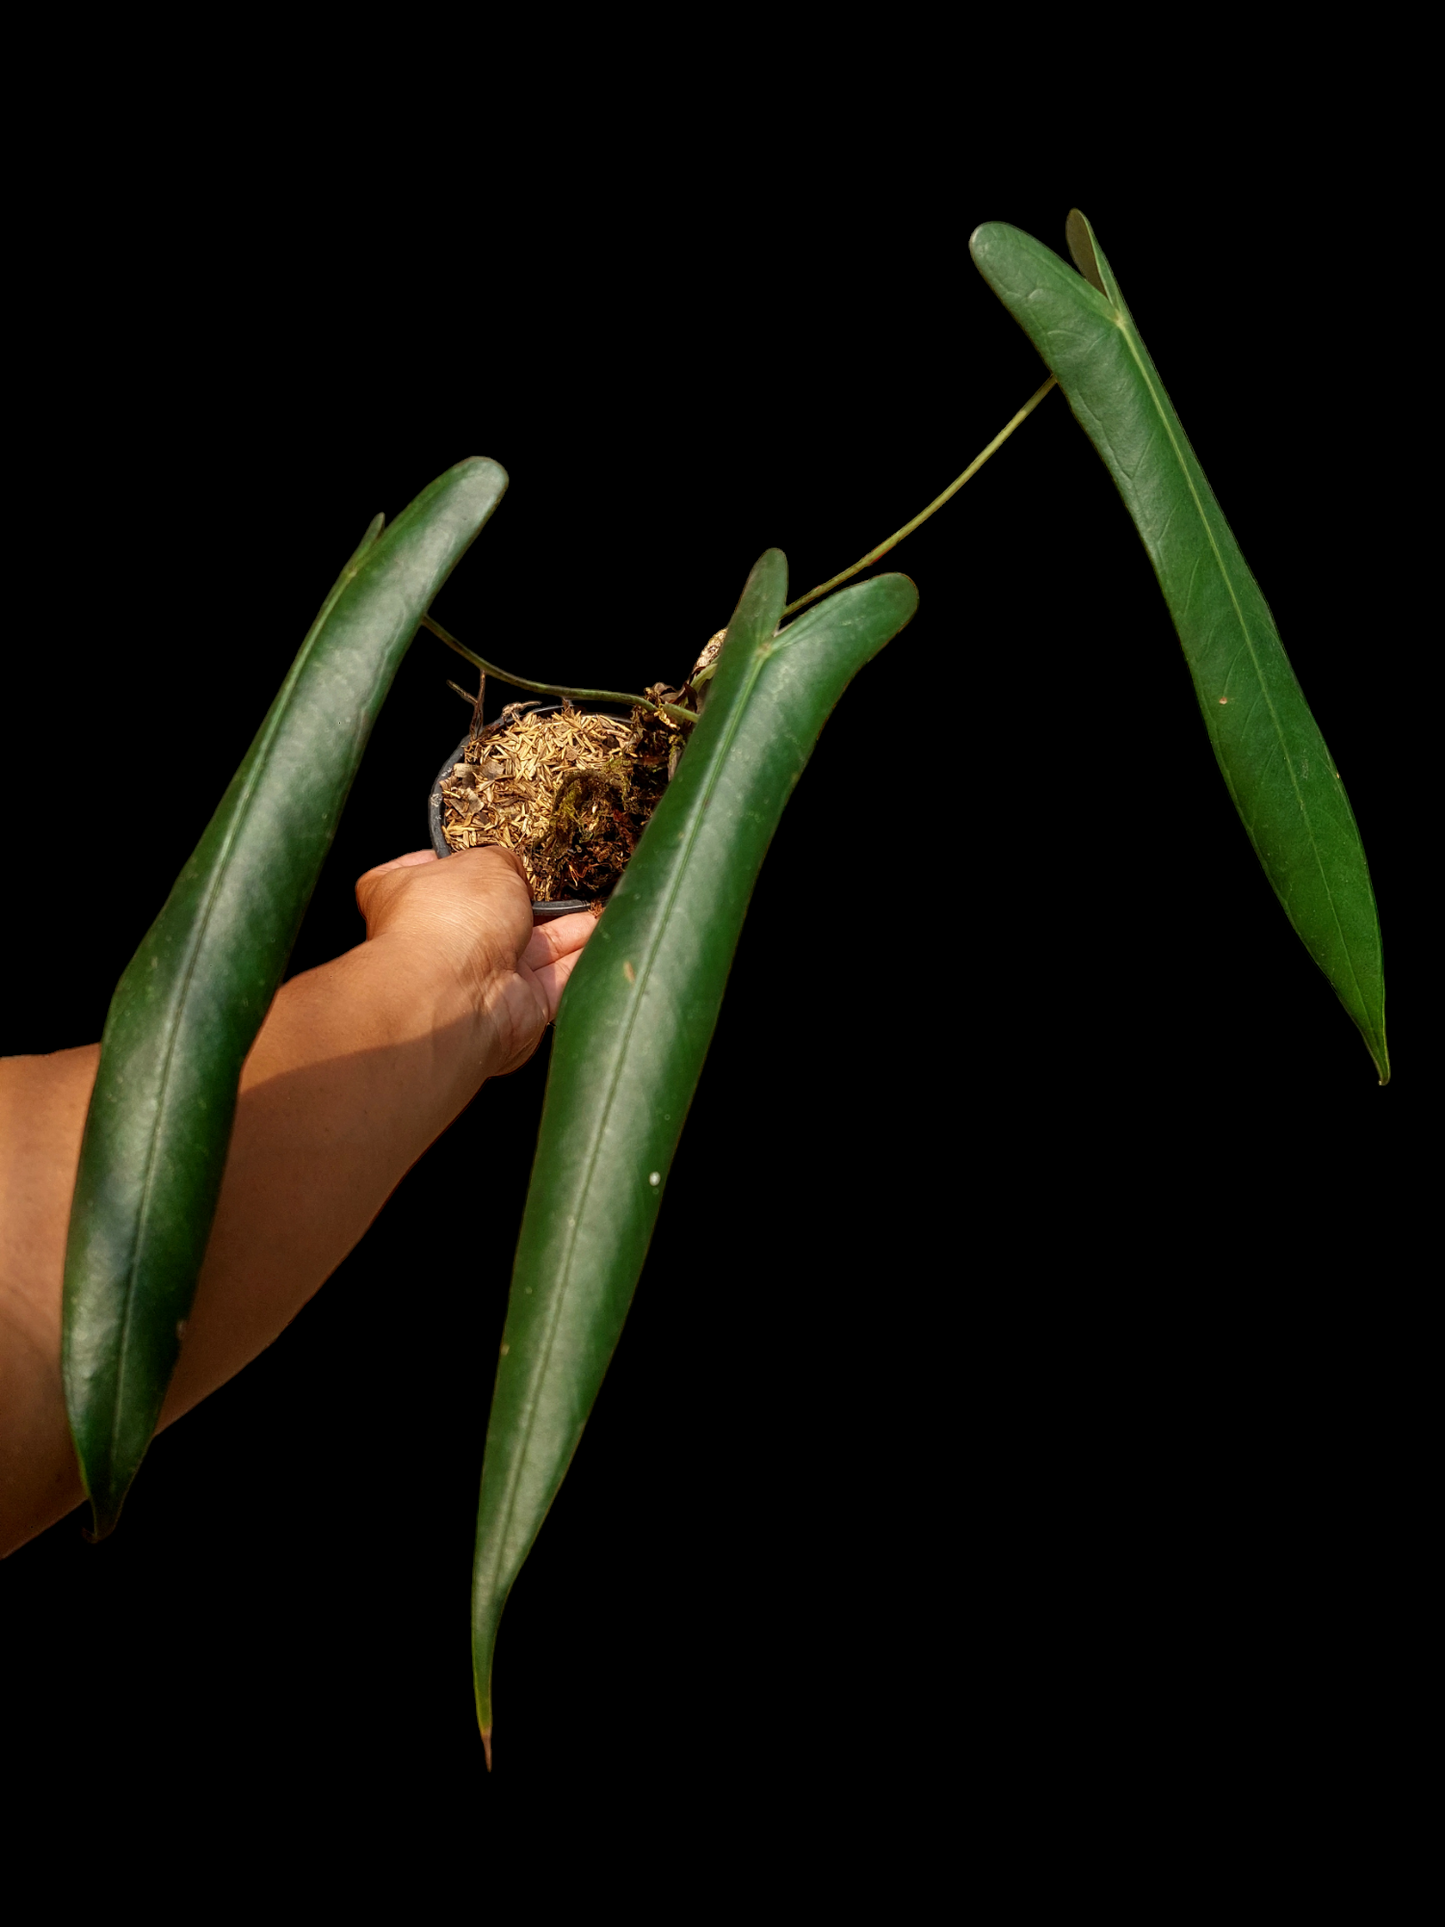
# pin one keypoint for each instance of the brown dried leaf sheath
(571, 793)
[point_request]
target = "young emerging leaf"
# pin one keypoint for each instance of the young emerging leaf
(190, 1003)
(1282, 778)
(631, 1037)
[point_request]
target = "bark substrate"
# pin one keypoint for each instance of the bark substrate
(571, 792)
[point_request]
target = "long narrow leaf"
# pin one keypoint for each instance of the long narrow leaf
(631, 1037)
(189, 1005)
(1283, 780)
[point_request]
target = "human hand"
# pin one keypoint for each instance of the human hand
(469, 920)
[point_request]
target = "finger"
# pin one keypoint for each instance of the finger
(369, 881)
(560, 938)
(551, 980)
(489, 854)
(397, 863)
(470, 883)
(492, 881)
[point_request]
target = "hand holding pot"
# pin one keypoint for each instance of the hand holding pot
(470, 918)
(359, 1065)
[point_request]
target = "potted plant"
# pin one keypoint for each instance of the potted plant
(666, 942)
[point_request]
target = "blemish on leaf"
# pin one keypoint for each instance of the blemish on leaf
(654, 1177)
(505, 1348)
(629, 973)
(1222, 701)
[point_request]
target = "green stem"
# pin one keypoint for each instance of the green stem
(823, 588)
(974, 466)
(555, 689)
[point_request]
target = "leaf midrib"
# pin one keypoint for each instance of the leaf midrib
(761, 656)
(268, 736)
(1125, 327)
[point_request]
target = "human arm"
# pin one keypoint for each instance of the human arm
(358, 1067)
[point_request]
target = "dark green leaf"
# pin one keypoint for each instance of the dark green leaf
(1282, 778)
(632, 1034)
(189, 1005)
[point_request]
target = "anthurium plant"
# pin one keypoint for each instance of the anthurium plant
(638, 1016)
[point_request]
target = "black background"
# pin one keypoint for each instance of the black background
(1023, 1365)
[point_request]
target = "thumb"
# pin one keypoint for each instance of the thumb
(371, 893)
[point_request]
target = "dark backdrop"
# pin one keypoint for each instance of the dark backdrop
(1021, 1364)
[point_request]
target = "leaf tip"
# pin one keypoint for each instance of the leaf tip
(978, 241)
(1379, 1050)
(102, 1524)
(1081, 246)
(487, 1745)
(484, 467)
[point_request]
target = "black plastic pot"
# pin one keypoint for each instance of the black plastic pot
(541, 912)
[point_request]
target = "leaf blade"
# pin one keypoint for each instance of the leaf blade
(189, 1004)
(1269, 748)
(631, 1038)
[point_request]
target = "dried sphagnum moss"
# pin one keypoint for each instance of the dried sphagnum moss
(570, 792)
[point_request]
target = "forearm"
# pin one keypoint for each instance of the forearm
(355, 1071)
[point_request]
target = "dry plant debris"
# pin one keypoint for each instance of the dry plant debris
(571, 792)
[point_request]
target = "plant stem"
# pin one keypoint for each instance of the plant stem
(974, 466)
(823, 588)
(555, 689)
